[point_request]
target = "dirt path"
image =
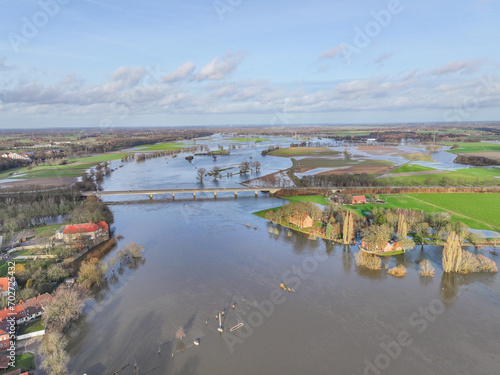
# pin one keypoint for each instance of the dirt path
(452, 212)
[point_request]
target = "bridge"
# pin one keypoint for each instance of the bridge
(215, 191)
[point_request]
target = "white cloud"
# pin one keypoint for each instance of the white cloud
(463, 67)
(220, 67)
(128, 76)
(382, 58)
(331, 53)
(181, 72)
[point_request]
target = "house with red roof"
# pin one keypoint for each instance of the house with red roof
(4, 336)
(358, 199)
(5, 284)
(27, 310)
(95, 232)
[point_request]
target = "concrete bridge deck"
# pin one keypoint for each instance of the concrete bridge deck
(151, 192)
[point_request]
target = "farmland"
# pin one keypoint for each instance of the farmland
(412, 168)
(460, 177)
(162, 147)
(74, 168)
(474, 210)
(474, 147)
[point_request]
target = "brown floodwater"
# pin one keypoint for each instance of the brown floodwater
(204, 256)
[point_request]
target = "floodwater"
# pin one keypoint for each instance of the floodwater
(204, 255)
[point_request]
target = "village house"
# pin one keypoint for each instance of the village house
(358, 199)
(27, 310)
(14, 156)
(4, 336)
(95, 232)
(5, 284)
(386, 247)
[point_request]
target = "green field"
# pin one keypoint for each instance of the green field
(412, 168)
(474, 147)
(460, 177)
(162, 147)
(414, 156)
(74, 168)
(476, 210)
(320, 199)
(249, 139)
(23, 362)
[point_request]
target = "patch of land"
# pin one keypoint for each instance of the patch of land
(475, 147)
(411, 168)
(303, 151)
(249, 139)
(494, 155)
(368, 169)
(280, 178)
(460, 177)
(41, 182)
(56, 175)
(409, 174)
(473, 209)
(414, 156)
(380, 150)
(162, 147)
(341, 166)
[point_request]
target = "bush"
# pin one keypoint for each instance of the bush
(426, 268)
(399, 271)
(370, 261)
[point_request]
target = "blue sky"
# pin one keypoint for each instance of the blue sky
(78, 63)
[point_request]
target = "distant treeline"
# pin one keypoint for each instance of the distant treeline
(340, 180)
(478, 161)
(6, 164)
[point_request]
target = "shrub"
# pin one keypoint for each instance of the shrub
(370, 261)
(426, 268)
(399, 271)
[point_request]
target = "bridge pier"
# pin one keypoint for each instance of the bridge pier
(236, 194)
(215, 194)
(173, 196)
(194, 194)
(256, 193)
(150, 197)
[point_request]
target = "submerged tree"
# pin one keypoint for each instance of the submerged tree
(200, 174)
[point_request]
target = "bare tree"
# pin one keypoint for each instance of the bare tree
(244, 167)
(200, 175)
(54, 357)
(66, 306)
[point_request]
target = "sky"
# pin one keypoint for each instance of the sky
(123, 63)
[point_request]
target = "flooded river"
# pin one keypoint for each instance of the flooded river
(203, 256)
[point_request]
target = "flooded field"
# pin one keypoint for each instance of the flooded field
(208, 255)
